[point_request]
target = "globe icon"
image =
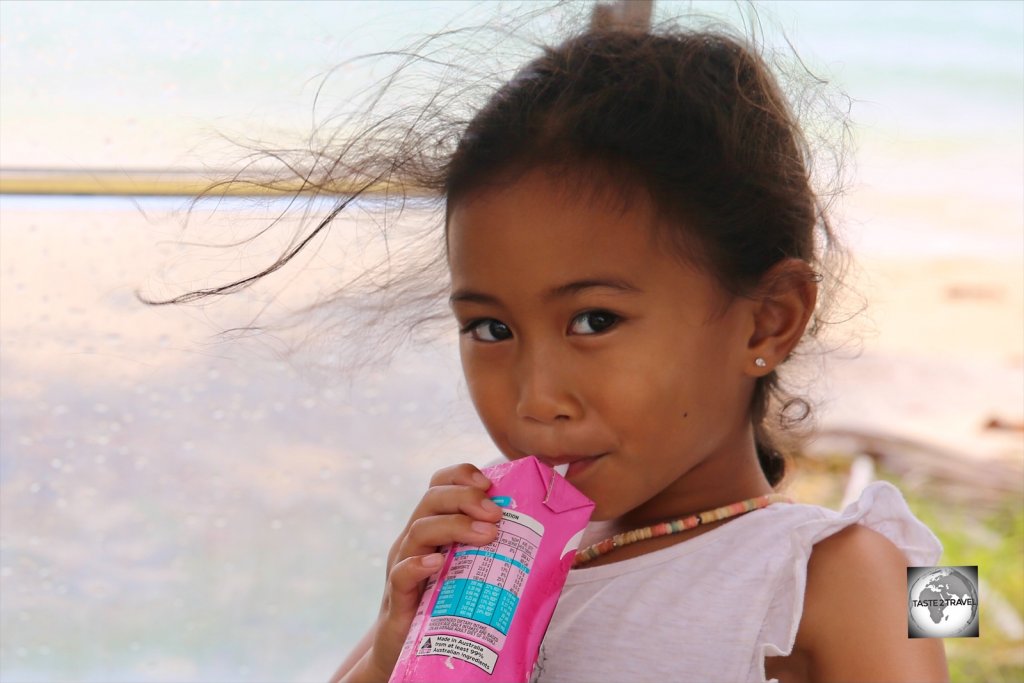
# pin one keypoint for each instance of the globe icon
(943, 603)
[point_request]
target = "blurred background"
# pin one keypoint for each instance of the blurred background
(177, 505)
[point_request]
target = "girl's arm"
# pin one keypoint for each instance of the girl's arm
(854, 626)
(358, 652)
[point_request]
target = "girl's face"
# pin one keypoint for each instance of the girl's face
(584, 342)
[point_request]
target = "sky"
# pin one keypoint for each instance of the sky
(157, 84)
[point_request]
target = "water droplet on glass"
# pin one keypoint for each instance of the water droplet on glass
(100, 408)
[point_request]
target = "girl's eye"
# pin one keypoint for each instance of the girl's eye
(593, 322)
(487, 330)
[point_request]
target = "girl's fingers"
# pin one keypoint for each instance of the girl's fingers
(402, 597)
(455, 509)
(406, 577)
(445, 515)
(461, 475)
(427, 533)
(446, 499)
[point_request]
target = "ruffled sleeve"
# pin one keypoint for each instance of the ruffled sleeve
(880, 507)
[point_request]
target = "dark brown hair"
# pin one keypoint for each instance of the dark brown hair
(693, 119)
(697, 121)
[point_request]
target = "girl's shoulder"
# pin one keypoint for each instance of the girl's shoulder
(855, 598)
(880, 516)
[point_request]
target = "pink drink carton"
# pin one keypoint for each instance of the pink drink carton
(484, 615)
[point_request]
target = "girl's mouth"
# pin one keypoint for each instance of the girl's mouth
(576, 465)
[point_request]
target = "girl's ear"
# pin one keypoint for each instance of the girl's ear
(784, 304)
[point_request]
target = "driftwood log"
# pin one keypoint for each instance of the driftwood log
(926, 468)
(623, 15)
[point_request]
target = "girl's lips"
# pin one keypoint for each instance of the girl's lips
(577, 467)
(576, 464)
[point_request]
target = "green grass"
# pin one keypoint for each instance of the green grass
(994, 541)
(990, 536)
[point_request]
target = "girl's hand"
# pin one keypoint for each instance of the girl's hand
(455, 509)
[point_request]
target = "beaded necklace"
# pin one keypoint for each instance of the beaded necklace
(676, 526)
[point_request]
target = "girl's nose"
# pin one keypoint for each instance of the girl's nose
(545, 394)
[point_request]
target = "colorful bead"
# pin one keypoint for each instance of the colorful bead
(676, 526)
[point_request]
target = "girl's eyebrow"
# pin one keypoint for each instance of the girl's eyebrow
(558, 292)
(577, 286)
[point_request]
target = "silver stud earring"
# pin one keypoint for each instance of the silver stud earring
(760, 362)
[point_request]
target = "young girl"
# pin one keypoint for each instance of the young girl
(634, 250)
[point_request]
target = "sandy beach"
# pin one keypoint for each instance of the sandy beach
(148, 467)
(942, 355)
(934, 349)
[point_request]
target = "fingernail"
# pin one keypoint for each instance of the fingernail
(482, 527)
(489, 505)
(432, 561)
(481, 480)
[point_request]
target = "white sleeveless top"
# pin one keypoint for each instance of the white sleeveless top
(711, 608)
